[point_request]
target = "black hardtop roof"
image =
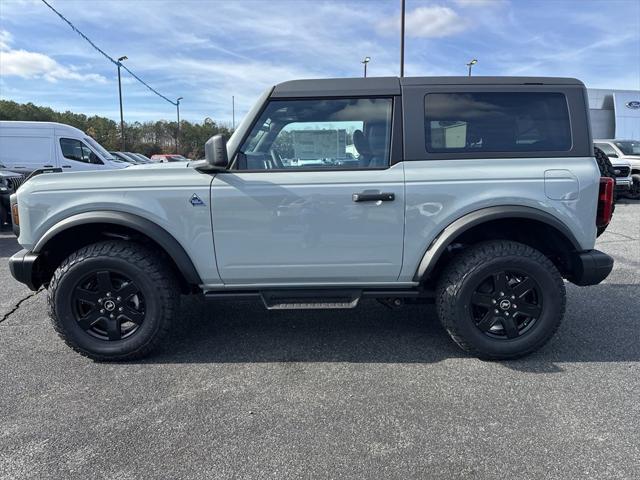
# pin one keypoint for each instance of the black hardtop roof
(391, 85)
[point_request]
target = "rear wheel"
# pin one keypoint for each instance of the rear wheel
(501, 300)
(113, 300)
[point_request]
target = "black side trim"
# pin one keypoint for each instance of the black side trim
(135, 222)
(442, 241)
(590, 267)
(22, 268)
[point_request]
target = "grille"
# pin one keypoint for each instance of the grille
(621, 171)
(15, 182)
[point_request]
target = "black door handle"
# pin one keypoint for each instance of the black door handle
(66, 166)
(48, 166)
(373, 197)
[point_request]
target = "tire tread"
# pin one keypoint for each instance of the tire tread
(143, 258)
(452, 279)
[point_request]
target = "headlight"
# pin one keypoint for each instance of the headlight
(4, 185)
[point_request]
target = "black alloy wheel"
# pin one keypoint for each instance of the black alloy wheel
(108, 305)
(506, 304)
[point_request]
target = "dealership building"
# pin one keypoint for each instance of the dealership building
(614, 113)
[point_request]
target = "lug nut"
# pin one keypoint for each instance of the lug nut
(502, 294)
(108, 294)
(515, 306)
(118, 299)
(100, 301)
(506, 313)
(496, 310)
(493, 301)
(102, 311)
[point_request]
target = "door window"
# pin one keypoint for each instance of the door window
(497, 122)
(320, 134)
(73, 149)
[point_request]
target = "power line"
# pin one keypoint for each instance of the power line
(75, 29)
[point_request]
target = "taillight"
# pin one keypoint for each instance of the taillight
(605, 201)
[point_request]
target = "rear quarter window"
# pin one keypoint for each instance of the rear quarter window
(485, 122)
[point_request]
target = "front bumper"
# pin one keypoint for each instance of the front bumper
(590, 267)
(23, 268)
(624, 183)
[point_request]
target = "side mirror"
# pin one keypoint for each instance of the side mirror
(215, 152)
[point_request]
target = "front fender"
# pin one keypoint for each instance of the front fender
(158, 234)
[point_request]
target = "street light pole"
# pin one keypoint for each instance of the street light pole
(471, 64)
(365, 61)
(178, 111)
(402, 15)
(120, 60)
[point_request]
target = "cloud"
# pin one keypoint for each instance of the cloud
(479, 3)
(427, 22)
(5, 39)
(25, 64)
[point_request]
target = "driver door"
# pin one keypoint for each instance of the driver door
(304, 205)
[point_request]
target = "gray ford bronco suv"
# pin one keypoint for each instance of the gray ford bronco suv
(479, 194)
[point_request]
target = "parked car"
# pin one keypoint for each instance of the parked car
(618, 169)
(163, 158)
(141, 158)
(9, 183)
(625, 154)
(29, 146)
(126, 157)
(480, 194)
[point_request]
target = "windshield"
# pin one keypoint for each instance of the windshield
(99, 148)
(629, 147)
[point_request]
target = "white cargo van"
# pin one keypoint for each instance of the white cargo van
(28, 146)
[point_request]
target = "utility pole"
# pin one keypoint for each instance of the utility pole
(471, 64)
(178, 111)
(365, 61)
(120, 60)
(402, 15)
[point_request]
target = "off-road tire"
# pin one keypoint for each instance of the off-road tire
(604, 164)
(457, 284)
(634, 193)
(157, 282)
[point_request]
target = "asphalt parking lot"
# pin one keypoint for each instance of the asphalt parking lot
(239, 392)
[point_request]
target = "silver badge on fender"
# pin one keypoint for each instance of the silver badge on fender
(196, 201)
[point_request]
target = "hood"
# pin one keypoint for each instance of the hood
(9, 174)
(150, 175)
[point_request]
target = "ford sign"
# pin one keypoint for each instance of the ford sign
(634, 104)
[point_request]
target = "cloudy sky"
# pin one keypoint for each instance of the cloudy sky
(208, 50)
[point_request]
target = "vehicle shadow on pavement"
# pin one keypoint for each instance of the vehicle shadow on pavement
(8, 244)
(601, 325)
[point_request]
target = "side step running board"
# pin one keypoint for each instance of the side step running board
(320, 298)
(310, 299)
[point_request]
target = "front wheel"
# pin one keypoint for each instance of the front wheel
(113, 300)
(501, 300)
(634, 192)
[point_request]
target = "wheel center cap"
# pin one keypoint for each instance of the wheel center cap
(109, 305)
(505, 304)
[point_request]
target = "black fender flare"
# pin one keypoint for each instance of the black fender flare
(477, 217)
(146, 227)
